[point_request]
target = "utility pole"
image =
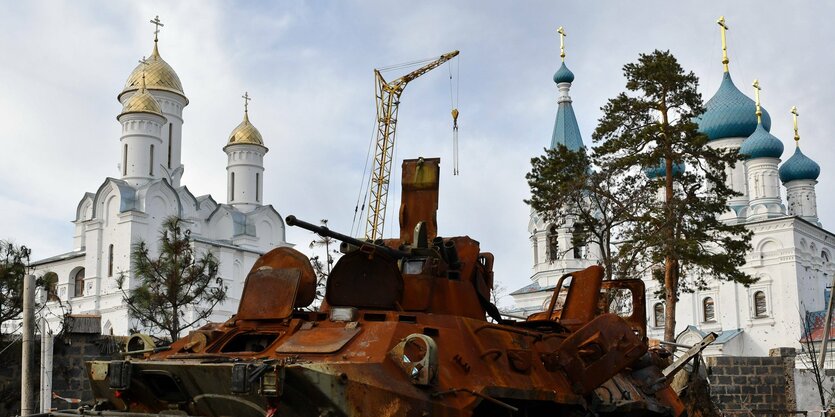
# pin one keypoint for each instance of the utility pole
(27, 382)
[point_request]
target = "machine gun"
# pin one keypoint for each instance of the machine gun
(363, 246)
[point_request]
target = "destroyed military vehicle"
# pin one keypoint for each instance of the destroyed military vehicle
(406, 328)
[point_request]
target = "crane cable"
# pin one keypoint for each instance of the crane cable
(453, 101)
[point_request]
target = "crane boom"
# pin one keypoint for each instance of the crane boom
(388, 102)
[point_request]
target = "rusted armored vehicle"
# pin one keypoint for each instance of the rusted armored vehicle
(406, 328)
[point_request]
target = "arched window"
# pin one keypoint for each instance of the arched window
(760, 307)
(78, 283)
(110, 260)
(708, 310)
(825, 256)
(151, 158)
(658, 311)
(232, 188)
(125, 161)
(50, 281)
(257, 187)
(578, 241)
(553, 248)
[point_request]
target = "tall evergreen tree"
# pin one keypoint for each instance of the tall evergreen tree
(651, 127)
(565, 185)
(175, 282)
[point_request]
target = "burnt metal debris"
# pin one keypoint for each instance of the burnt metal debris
(403, 330)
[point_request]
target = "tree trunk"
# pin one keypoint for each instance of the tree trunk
(670, 298)
(670, 260)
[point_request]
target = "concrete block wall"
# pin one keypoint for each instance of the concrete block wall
(753, 383)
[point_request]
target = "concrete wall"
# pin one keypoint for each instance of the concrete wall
(69, 377)
(753, 383)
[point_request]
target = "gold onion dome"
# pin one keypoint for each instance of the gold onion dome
(142, 102)
(245, 134)
(158, 76)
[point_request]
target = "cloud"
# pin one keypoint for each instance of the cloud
(308, 66)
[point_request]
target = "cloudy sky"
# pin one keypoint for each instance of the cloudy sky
(308, 66)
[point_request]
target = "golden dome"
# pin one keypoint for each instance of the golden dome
(142, 102)
(246, 134)
(158, 76)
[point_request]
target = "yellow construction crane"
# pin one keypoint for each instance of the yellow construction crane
(388, 102)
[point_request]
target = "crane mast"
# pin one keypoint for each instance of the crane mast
(388, 102)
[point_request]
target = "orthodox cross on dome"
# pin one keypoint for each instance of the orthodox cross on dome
(144, 63)
(156, 22)
(796, 135)
(246, 98)
(561, 31)
(723, 27)
(757, 89)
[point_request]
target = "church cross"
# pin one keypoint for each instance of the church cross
(794, 116)
(723, 28)
(144, 63)
(757, 89)
(246, 98)
(156, 22)
(561, 31)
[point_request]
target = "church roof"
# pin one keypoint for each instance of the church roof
(730, 113)
(761, 144)
(245, 133)
(799, 167)
(158, 76)
(563, 75)
(141, 102)
(566, 130)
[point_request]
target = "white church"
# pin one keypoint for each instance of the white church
(132, 206)
(791, 252)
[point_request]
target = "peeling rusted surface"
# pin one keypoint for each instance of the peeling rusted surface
(404, 332)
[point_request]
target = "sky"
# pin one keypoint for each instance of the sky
(308, 67)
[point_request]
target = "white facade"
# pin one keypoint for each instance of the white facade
(791, 253)
(132, 208)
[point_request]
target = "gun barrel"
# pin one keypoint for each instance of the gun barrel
(324, 231)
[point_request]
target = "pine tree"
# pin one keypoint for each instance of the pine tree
(173, 283)
(566, 185)
(651, 126)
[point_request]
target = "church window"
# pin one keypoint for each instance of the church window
(125, 161)
(170, 140)
(708, 310)
(553, 248)
(257, 187)
(760, 309)
(232, 191)
(110, 260)
(578, 241)
(658, 312)
(78, 283)
(50, 280)
(825, 256)
(151, 165)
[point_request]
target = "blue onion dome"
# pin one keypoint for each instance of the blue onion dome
(761, 144)
(799, 167)
(730, 113)
(661, 170)
(563, 75)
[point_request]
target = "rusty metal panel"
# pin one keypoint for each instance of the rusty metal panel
(269, 294)
(365, 280)
(419, 200)
(598, 351)
(581, 302)
(318, 340)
